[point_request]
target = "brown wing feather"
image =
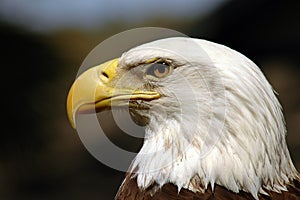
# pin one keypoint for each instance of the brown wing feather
(130, 191)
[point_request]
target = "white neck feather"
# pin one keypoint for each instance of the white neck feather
(249, 153)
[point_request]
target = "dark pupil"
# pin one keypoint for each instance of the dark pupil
(161, 68)
(158, 69)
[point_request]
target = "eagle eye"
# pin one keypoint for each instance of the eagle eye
(159, 70)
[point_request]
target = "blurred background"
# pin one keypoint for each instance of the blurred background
(44, 43)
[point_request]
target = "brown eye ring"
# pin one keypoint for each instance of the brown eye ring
(159, 70)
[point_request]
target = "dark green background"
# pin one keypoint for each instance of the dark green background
(41, 156)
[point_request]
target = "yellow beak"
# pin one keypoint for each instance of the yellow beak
(92, 91)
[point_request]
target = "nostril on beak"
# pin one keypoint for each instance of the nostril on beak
(105, 75)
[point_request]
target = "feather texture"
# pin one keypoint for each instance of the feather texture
(217, 132)
(130, 191)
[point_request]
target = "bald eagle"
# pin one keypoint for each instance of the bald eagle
(214, 128)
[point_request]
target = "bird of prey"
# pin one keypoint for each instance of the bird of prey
(214, 128)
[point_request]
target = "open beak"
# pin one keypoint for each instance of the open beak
(92, 91)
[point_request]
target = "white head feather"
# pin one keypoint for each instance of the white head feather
(218, 122)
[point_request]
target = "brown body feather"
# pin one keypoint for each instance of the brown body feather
(130, 191)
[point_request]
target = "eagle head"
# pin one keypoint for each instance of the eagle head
(210, 115)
